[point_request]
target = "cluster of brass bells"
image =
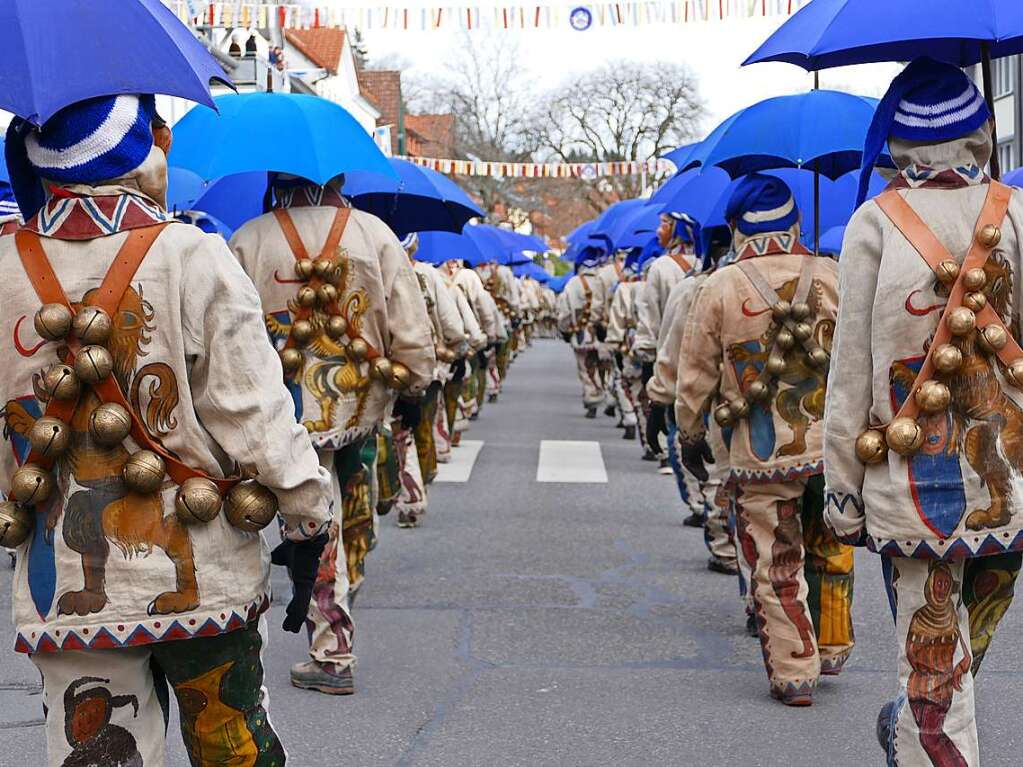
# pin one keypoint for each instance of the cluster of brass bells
(446, 355)
(15, 525)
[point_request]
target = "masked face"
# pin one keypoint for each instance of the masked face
(666, 231)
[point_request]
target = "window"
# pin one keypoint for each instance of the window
(1004, 76)
(1007, 155)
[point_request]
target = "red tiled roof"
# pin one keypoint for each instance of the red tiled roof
(433, 135)
(323, 46)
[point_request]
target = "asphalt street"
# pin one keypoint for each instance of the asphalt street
(546, 623)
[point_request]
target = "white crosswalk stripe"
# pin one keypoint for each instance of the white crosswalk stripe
(563, 461)
(463, 459)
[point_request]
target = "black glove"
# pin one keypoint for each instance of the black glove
(409, 411)
(648, 372)
(620, 360)
(458, 370)
(656, 425)
(600, 332)
(303, 561)
(566, 337)
(694, 456)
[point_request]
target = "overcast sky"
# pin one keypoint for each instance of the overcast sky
(713, 50)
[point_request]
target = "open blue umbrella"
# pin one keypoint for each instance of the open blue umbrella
(498, 245)
(635, 228)
(581, 232)
(59, 52)
(694, 192)
(831, 240)
(680, 157)
(438, 247)
(183, 188)
(419, 200)
(558, 283)
(820, 129)
(207, 223)
(535, 271)
(1014, 178)
(608, 222)
(291, 133)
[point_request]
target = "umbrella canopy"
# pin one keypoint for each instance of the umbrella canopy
(831, 240)
(1014, 178)
(291, 133)
(606, 225)
(183, 188)
(418, 200)
(835, 33)
(438, 247)
(558, 283)
(535, 271)
(635, 228)
(693, 192)
(232, 200)
(207, 223)
(681, 155)
(504, 247)
(581, 232)
(825, 129)
(59, 52)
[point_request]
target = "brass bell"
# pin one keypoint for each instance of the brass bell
(961, 321)
(50, 437)
(304, 268)
(948, 271)
(198, 501)
(61, 382)
(358, 349)
(337, 326)
(31, 484)
(947, 359)
(53, 322)
(781, 310)
(723, 416)
(291, 360)
(776, 365)
(802, 331)
(143, 472)
(382, 369)
(933, 397)
(758, 390)
(15, 525)
(322, 267)
(306, 297)
(93, 364)
(904, 436)
(871, 447)
(336, 275)
(250, 507)
(817, 357)
(92, 325)
(975, 302)
(302, 331)
(401, 376)
(1015, 374)
(740, 409)
(993, 338)
(785, 339)
(109, 424)
(989, 236)
(800, 311)
(326, 294)
(975, 279)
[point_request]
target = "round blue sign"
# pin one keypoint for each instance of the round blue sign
(581, 19)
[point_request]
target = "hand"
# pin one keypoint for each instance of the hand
(620, 360)
(600, 332)
(694, 456)
(303, 561)
(409, 411)
(656, 425)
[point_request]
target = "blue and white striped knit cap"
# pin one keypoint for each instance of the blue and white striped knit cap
(590, 257)
(95, 140)
(687, 228)
(761, 204)
(410, 242)
(929, 101)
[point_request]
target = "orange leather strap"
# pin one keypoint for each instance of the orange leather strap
(933, 252)
(679, 259)
(117, 280)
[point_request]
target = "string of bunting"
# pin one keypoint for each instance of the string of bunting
(552, 14)
(585, 171)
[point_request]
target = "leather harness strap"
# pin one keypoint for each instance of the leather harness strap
(681, 262)
(933, 252)
(116, 282)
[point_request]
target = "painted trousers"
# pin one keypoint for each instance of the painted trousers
(412, 496)
(626, 408)
(441, 428)
(718, 533)
(945, 617)
(482, 378)
(426, 447)
(110, 707)
(355, 465)
(453, 404)
(329, 622)
(801, 582)
(632, 385)
(587, 364)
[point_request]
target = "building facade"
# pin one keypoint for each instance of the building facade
(1007, 77)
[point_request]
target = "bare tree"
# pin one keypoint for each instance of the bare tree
(622, 111)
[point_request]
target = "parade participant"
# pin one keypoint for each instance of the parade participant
(582, 323)
(610, 274)
(756, 341)
(661, 391)
(922, 452)
(500, 285)
(457, 390)
(10, 214)
(343, 308)
(483, 307)
(621, 329)
(134, 400)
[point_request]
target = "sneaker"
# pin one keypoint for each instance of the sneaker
(408, 520)
(665, 467)
(696, 519)
(650, 455)
(591, 412)
(322, 678)
(610, 411)
(718, 565)
(630, 433)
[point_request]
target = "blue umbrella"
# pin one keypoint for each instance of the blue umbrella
(635, 228)
(835, 33)
(581, 232)
(1014, 178)
(301, 135)
(59, 52)
(502, 246)
(558, 283)
(610, 219)
(183, 188)
(535, 271)
(819, 129)
(438, 247)
(207, 223)
(694, 192)
(831, 240)
(681, 156)
(419, 200)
